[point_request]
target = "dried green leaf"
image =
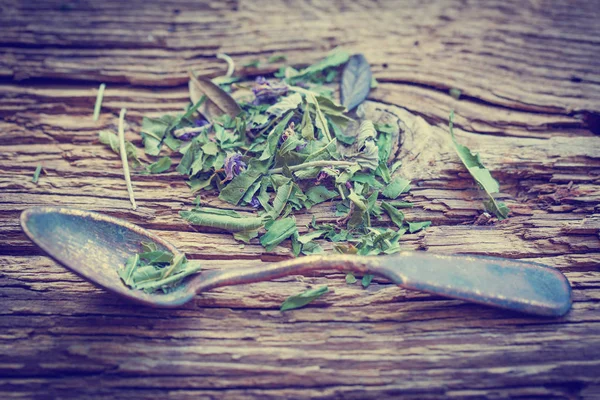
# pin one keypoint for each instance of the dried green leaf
(245, 236)
(396, 187)
(126, 273)
(366, 280)
(302, 299)
(218, 101)
(285, 104)
(159, 166)
(481, 175)
(319, 194)
(277, 232)
(333, 59)
(225, 222)
(237, 188)
(110, 139)
(99, 98)
(350, 278)
(356, 81)
(273, 138)
(395, 215)
(281, 199)
(36, 174)
(276, 58)
(307, 128)
(311, 236)
(417, 226)
(312, 248)
(455, 93)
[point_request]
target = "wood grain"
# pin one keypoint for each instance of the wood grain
(530, 105)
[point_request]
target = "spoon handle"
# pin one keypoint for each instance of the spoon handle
(516, 285)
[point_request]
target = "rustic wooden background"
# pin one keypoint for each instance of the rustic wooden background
(529, 74)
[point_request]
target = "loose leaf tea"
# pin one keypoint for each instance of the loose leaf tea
(481, 174)
(302, 299)
(159, 166)
(153, 270)
(356, 81)
(283, 144)
(99, 98)
(36, 174)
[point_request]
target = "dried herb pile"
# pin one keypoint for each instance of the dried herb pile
(282, 144)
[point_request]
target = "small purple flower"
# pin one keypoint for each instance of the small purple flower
(254, 202)
(301, 147)
(348, 185)
(261, 80)
(321, 177)
(200, 122)
(287, 133)
(233, 166)
(188, 136)
(266, 92)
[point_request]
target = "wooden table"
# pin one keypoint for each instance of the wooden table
(530, 82)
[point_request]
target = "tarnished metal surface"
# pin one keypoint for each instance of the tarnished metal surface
(95, 245)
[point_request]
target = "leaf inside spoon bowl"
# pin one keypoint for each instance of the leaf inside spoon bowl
(94, 245)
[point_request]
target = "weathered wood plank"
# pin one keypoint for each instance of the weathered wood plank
(528, 73)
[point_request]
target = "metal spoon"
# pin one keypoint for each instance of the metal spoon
(93, 246)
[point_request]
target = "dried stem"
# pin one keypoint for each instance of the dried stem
(99, 98)
(124, 157)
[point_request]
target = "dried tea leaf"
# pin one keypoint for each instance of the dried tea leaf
(110, 139)
(285, 104)
(99, 98)
(225, 222)
(395, 215)
(350, 278)
(281, 199)
(396, 187)
(304, 239)
(36, 174)
(302, 299)
(356, 81)
(481, 174)
(417, 226)
(333, 59)
(278, 231)
(159, 166)
(311, 248)
(319, 194)
(218, 101)
(276, 58)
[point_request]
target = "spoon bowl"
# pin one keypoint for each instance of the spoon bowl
(94, 245)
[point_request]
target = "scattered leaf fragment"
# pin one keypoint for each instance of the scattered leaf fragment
(36, 174)
(99, 98)
(356, 81)
(396, 187)
(481, 174)
(218, 101)
(159, 166)
(366, 280)
(350, 278)
(302, 299)
(417, 226)
(277, 58)
(455, 93)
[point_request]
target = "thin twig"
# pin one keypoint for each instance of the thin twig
(230, 64)
(182, 131)
(124, 157)
(321, 163)
(99, 98)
